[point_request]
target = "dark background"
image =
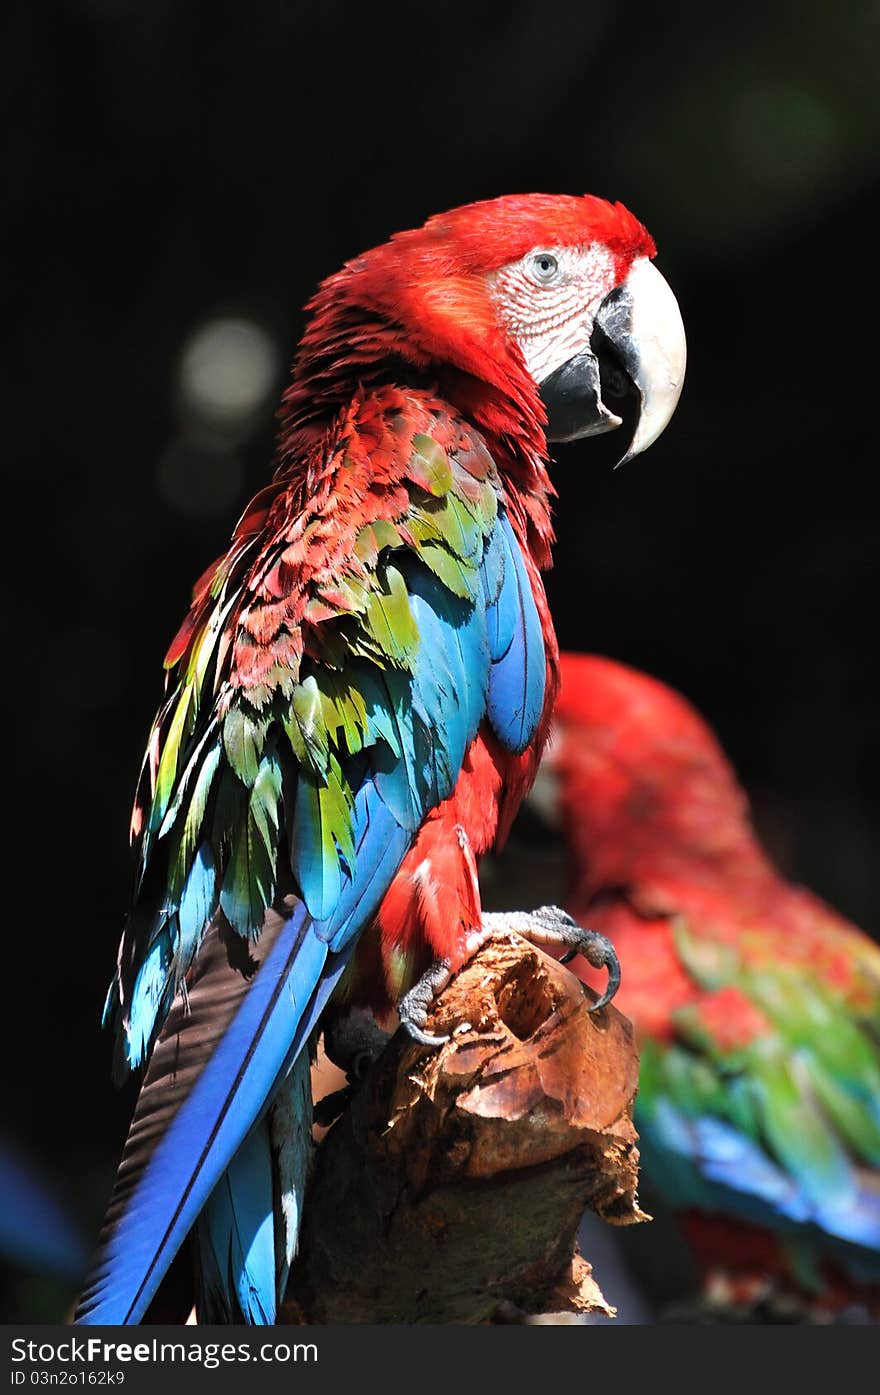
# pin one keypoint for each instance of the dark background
(175, 162)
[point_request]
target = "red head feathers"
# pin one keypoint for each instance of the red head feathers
(426, 300)
(642, 774)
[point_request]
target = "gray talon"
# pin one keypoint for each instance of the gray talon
(602, 955)
(549, 925)
(414, 1006)
(559, 928)
(424, 1038)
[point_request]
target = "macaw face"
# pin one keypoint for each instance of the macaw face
(589, 338)
(536, 295)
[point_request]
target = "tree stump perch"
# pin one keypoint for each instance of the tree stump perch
(453, 1185)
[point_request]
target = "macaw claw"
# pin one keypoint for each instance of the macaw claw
(415, 1005)
(548, 925)
(554, 927)
(595, 948)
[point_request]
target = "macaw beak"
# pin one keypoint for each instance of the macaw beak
(638, 344)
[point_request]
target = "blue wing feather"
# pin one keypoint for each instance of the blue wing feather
(502, 602)
(381, 847)
(150, 995)
(517, 680)
(450, 686)
(719, 1169)
(197, 901)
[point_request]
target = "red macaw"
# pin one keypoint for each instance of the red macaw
(356, 704)
(757, 1006)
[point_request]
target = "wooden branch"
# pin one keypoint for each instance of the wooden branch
(454, 1183)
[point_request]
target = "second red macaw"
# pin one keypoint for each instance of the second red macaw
(757, 1006)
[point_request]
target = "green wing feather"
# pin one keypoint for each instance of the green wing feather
(285, 671)
(800, 1079)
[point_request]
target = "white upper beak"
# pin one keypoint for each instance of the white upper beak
(638, 329)
(653, 347)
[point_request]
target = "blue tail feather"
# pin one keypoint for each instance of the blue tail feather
(278, 1014)
(235, 1239)
(208, 1129)
(290, 1127)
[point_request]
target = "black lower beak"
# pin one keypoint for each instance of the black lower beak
(637, 350)
(573, 397)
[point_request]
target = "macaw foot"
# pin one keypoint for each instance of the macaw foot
(353, 1041)
(548, 925)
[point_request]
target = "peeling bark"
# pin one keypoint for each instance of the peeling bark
(453, 1185)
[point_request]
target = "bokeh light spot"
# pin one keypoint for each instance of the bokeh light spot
(228, 369)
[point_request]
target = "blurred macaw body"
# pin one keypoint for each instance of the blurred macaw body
(357, 702)
(757, 1006)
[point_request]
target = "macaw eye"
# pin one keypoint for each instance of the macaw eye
(544, 267)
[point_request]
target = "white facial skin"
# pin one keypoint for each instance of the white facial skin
(548, 302)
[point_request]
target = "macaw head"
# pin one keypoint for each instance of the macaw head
(547, 306)
(633, 774)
